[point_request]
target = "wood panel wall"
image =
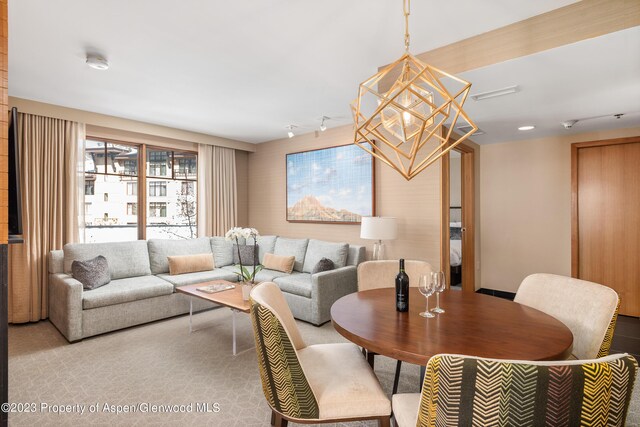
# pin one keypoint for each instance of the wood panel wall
(4, 132)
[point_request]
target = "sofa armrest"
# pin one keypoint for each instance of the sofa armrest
(329, 286)
(65, 305)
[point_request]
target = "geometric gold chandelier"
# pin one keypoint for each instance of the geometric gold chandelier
(408, 123)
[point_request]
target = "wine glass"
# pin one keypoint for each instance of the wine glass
(427, 288)
(439, 285)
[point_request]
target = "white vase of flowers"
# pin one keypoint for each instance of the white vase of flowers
(246, 277)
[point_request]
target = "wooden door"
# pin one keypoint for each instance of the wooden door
(606, 217)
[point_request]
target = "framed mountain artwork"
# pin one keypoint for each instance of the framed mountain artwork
(332, 185)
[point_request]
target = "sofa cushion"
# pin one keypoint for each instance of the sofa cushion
(126, 259)
(266, 275)
(295, 247)
(318, 249)
(223, 250)
(266, 244)
(181, 264)
(199, 277)
(160, 249)
(92, 273)
(296, 283)
(126, 290)
(247, 255)
(279, 262)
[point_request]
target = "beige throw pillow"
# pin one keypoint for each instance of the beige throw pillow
(279, 262)
(181, 264)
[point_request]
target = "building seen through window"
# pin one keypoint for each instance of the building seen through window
(113, 184)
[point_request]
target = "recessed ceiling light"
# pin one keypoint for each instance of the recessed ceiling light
(97, 62)
(528, 127)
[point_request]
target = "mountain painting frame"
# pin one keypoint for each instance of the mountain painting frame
(334, 185)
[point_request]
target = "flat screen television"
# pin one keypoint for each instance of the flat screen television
(15, 199)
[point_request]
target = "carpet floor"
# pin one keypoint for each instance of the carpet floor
(160, 363)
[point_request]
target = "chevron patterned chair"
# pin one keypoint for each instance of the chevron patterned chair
(382, 274)
(588, 309)
(310, 383)
(470, 391)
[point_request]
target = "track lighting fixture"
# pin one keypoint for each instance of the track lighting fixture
(290, 129)
(323, 127)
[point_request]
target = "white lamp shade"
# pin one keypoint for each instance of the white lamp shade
(378, 228)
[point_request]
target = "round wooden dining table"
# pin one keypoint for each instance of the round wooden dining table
(472, 324)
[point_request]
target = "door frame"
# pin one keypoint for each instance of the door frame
(575, 236)
(467, 166)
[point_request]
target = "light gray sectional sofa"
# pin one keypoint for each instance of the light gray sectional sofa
(142, 290)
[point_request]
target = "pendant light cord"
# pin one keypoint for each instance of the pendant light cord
(407, 12)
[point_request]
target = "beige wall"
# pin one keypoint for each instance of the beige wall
(525, 222)
(416, 203)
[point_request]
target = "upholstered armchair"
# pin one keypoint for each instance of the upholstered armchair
(464, 390)
(588, 309)
(310, 383)
(381, 274)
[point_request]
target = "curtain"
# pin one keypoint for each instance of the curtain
(217, 201)
(52, 189)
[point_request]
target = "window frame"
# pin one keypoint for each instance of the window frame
(142, 177)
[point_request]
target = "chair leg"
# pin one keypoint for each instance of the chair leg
(279, 421)
(370, 358)
(396, 379)
(384, 421)
(273, 417)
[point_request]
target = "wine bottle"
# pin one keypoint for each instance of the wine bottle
(402, 289)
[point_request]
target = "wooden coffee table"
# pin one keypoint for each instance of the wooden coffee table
(231, 298)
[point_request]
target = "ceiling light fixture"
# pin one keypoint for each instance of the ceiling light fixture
(395, 120)
(290, 129)
(97, 62)
(527, 127)
(323, 127)
(495, 93)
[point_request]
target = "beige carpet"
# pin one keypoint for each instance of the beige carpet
(159, 364)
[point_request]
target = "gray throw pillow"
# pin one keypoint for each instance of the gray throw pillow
(92, 273)
(247, 255)
(325, 264)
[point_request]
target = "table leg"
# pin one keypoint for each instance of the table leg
(423, 370)
(190, 314)
(233, 320)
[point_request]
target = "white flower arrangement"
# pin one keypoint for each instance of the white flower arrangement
(233, 235)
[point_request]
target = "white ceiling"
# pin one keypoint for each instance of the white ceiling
(245, 70)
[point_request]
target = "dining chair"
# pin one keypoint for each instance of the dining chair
(310, 383)
(382, 274)
(588, 309)
(465, 390)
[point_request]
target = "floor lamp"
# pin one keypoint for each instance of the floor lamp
(378, 228)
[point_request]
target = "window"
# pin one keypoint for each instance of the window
(132, 188)
(89, 187)
(87, 208)
(176, 216)
(157, 162)
(157, 188)
(108, 168)
(132, 209)
(158, 209)
(115, 171)
(130, 167)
